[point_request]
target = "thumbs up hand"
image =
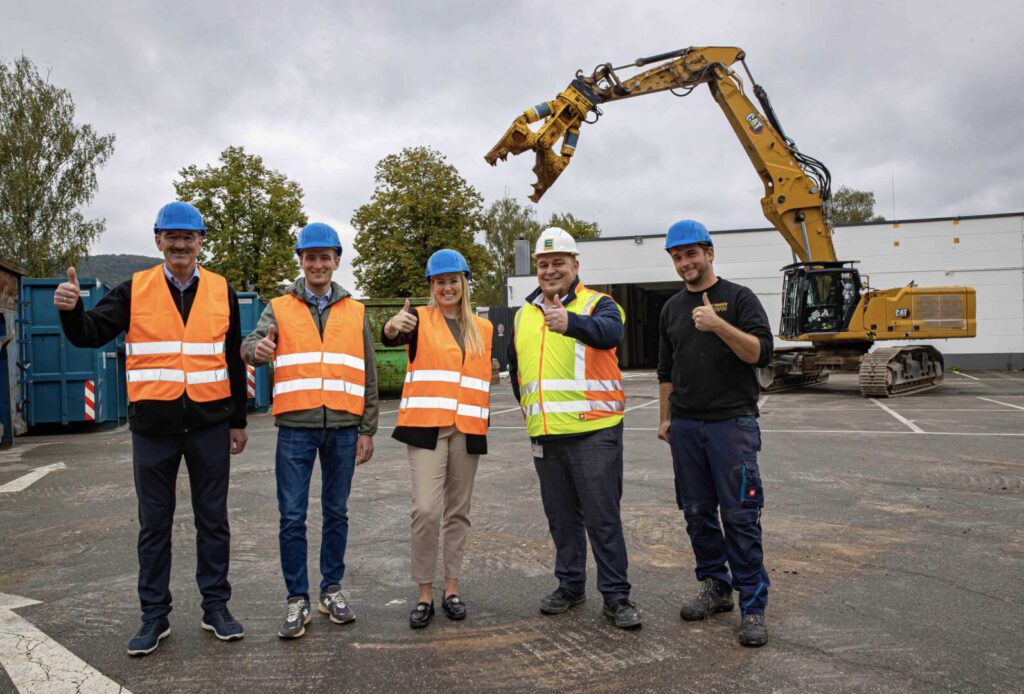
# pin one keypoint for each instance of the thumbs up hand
(705, 318)
(66, 296)
(402, 322)
(266, 347)
(556, 316)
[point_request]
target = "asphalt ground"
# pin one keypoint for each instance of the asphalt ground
(894, 537)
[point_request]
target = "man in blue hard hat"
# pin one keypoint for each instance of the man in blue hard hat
(325, 401)
(187, 397)
(713, 335)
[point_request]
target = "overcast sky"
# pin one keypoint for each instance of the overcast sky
(926, 93)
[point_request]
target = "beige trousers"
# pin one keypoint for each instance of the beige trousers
(442, 486)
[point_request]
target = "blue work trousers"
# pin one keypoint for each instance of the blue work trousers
(156, 460)
(297, 450)
(581, 487)
(716, 473)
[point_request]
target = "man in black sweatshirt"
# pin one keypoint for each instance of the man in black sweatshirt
(186, 397)
(713, 334)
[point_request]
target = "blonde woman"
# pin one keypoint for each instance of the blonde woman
(442, 418)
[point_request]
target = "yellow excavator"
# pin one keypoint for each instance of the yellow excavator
(825, 301)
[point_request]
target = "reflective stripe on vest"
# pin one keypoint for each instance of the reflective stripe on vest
(333, 376)
(565, 386)
(437, 395)
(194, 361)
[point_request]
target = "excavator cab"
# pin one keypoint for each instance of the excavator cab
(818, 297)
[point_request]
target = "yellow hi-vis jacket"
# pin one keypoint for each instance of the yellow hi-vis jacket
(566, 387)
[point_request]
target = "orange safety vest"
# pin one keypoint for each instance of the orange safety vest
(166, 356)
(441, 388)
(332, 376)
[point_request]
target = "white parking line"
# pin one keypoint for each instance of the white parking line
(25, 481)
(37, 663)
(511, 409)
(961, 373)
(637, 407)
(999, 402)
(762, 401)
(913, 427)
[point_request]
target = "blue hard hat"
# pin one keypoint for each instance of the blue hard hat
(447, 260)
(318, 235)
(685, 232)
(179, 215)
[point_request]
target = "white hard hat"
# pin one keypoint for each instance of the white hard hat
(555, 240)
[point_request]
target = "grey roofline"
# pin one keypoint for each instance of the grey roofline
(1000, 215)
(859, 224)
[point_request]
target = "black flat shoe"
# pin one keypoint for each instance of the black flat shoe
(420, 617)
(454, 607)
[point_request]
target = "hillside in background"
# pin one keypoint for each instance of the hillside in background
(113, 269)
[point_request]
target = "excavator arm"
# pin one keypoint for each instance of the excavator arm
(797, 186)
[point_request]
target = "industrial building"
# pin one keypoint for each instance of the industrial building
(981, 251)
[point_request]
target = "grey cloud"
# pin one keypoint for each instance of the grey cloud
(323, 90)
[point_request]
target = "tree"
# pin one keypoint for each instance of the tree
(580, 229)
(48, 168)
(251, 214)
(420, 204)
(851, 206)
(505, 222)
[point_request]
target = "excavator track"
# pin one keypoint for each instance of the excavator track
(780, 384)
(889, 372)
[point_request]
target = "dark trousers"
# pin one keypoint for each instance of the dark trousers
(155, 461)
(716, 472)
(581, 487)
(296, 455)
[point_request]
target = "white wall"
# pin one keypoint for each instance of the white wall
(988, 257)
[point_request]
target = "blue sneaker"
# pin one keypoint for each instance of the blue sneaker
(148, 637)
(223, 625)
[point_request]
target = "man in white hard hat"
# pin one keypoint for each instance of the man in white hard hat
(565, 374)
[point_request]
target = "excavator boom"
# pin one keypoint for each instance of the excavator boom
(797, 187)
(825, 301)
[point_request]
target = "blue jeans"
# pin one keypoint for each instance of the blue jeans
(296, 453)
(581, 487)
(716, 472)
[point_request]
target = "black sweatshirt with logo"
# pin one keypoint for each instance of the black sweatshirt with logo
(708, 380)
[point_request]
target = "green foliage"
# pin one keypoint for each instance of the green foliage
(420, 204)
(48, 168)
(580, 229)
(505, 222)
(251, 214)
(851, 206)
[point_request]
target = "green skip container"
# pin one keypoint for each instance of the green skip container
(391, 361)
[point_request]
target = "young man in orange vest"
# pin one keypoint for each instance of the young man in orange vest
(187, 397)
(325, 400)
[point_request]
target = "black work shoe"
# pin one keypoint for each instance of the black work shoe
(624, 612)
(454, 607)
(753, 631)
(715, 596)
(223, 625)
(294, 623)
(560, 601)
(420, 617)
(334, 604)
(149, 635)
